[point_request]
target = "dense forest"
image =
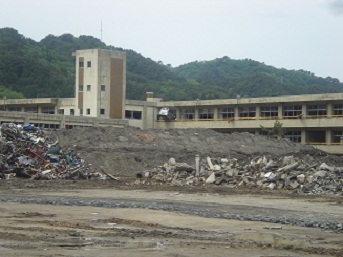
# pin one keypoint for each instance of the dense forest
(30, 69)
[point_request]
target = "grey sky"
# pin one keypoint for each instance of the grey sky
(291, 34)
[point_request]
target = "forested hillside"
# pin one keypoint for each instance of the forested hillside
(30, 69)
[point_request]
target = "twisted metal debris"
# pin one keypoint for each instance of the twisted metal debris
(30, 152)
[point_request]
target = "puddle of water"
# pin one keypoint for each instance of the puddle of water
(110, 226)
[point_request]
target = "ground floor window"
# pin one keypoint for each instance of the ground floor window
(48, 109)
(15, 109)
(135, 115)
(51, 126)
(31, 109)
(316, 136)
(337, 136)
(294, 136)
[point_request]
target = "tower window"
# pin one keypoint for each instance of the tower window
(80, 64)
(88, 111)
(80, 88)
(102, 111)
(88, 87)
(103, 88)
(89, 64)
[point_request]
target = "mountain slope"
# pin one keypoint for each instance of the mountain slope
(47, 69)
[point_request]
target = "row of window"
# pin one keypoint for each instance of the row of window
(269, 111)
(89, 64)
(33, 109)
(314, 136)
(102, 88)
(135, 115)
(50, 110)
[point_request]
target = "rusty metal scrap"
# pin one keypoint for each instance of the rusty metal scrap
(29, 152)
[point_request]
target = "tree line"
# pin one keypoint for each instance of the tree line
(30, 69)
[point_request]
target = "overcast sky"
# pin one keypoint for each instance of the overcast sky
(291, 34)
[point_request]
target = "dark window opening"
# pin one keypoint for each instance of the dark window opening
(187, 114)
(337, 136)
(316, 136)
(206, 114)
(316, 110)
(225, 113)
(137, 115)
(292, 111)
(269, 111)
(338, 109)
(247, 112)
(48, 109)
(31, 109)
(294, 136)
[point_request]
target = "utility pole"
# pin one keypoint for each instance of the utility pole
(4, 98)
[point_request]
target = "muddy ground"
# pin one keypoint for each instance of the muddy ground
(119, 218)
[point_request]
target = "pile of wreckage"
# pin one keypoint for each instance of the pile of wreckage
(304, 176)
(29, 152)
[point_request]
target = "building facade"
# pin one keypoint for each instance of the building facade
(100, 83)
(308, 119)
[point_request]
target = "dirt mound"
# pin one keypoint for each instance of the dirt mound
(125, 151)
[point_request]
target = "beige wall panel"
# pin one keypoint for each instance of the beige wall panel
(80, 82)
(116, 88)
(80, 102)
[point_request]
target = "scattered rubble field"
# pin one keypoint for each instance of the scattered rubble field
(142, 210)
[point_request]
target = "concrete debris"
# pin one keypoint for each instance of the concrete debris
(29, 152)
(287, 173)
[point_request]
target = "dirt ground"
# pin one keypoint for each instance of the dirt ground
(110, 220)
(119, 218)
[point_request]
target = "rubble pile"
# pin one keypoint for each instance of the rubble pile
(29, 152)
(302, 175)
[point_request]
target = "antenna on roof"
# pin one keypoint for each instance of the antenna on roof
(101, 31)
